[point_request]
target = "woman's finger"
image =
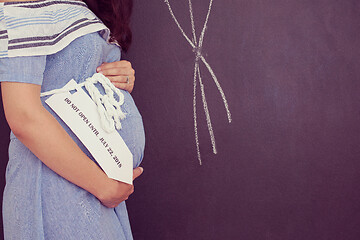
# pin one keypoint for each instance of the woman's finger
(124, 86)
(117, 71)
(137, 172)
(121, 64)
(122, 82)
(116, 68)
(122, 79)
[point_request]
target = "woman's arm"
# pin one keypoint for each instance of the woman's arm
(37, 129)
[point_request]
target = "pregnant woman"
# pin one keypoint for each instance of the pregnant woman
(54, 188)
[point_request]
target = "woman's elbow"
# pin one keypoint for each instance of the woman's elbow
(17, 123)
(22, 105)
(21, 121)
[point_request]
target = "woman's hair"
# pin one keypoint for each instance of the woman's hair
(115, 14)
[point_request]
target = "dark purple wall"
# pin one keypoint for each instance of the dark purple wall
(288, 165)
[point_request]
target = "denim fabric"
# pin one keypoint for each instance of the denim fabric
(38, 203)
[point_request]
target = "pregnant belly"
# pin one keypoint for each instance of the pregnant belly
(132, 130)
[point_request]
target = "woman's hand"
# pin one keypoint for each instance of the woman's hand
(116, 192)
(120, 73)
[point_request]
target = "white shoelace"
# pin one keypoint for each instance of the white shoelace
(108, 107)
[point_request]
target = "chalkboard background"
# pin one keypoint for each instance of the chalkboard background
(287, 166)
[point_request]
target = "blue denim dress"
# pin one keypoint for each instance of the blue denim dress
(38, 203)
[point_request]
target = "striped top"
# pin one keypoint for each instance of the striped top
(44, 27)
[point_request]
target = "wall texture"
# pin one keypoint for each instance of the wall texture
(287, 166)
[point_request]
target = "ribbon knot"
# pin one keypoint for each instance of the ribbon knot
(108, 107)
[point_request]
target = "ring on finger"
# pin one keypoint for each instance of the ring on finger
(127, 79)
